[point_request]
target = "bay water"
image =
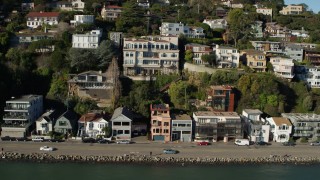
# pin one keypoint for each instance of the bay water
(81, 171)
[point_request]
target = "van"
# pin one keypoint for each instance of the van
(242, 142)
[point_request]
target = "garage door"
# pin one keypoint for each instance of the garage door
(158, 138)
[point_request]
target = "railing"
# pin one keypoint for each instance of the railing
(14, 125)
(11, 116)
(303, 128)
(15, 108)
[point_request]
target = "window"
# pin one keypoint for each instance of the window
(120, 131)
(166, 123)
(126, 132)
(125, 123)
(117, 123)
(166, 131)
(174, 124)
(186, 132)
(62, 123)
(44, 125)
(181, 125)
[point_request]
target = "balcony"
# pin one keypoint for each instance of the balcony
(301, 135)
(15, 117)
(15, 125)
(15, 108)
(306, 128)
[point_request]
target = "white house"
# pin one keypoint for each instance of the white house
(198, 50)
(227, 57)
(168, 29)
(44, 123)
(78, 5)
(283, 67)
(89, 40)
(121, 123)
(256, 127)
(292, 9)
(92, 125)
(36, 19)
(281, 128)
(264, 11)
(300, 33)
(82, 19)
(216, 23)
(20, 114)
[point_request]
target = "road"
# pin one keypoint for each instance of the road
(220, 149)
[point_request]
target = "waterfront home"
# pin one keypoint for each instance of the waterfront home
(44, 124)
(121, 123)
(181, 128)
(217, 125)
(255, 127)
(292, 9)
(66, 123)
(309, 74)
(197, 51)
(90, 40)
(111, 12)
(255, 59)
(20, 114)
(283, 67)
(94, 85)
(220, 98)
(92, 124)
(281, 128)
(82, 19)
(150, 55)
(36, 19)
(227, 57)
(160, 122)
(304, 124)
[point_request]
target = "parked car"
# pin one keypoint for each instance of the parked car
(22, 139)
(124, 142)
(204, 143)
(289, 143)
(262, 143)
(135, 133)
(103, 141)
(46, 148)
(316, 143)
(170, 151)
(37, 139)
(6, 138)
(56, 140)
(88, 140)
(143, 132)
(242, 142)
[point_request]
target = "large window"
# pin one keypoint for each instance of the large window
(125, 123)
(62, 123)
(117, 123)
(126, 132)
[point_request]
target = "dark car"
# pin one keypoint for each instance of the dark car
(56, 140)
(143, 132)
(88, 140)
(6, 138)
(103, 141)
(262, 143)
(22, 139)
(289, 143)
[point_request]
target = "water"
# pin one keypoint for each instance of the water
(54, 171)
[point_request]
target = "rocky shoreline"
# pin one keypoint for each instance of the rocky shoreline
(156, 160)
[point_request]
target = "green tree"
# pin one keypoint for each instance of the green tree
(105, 52)
(82, 59)
(131, 16)
(85, 106)
(59, 86)
(178, 94)
(188, 56)
(307, 103)
(209, 58)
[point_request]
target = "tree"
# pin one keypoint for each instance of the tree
(105, 52)
(307, 103)
(59, 86)
(85, 106)
(131, 16)
(82, 59)
(188, 56)
(209, 58)
(178, 94)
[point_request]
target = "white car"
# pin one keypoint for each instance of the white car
(124, 142)
(46, 148)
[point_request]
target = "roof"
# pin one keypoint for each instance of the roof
(281, 120)
(70, 115)
(26, 98)
(122, 111)
(43, 14)
(181, 117)
(160, 106)
(253, 51)
(212, 113)
(221, 87)
(91, 117)
(114, 7)
(252, 111)
(50, 115)
(197, 45)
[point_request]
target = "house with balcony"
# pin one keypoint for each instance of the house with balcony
(283, 67)
(227, 57)
(255, 59)
(181, 128)
(175, 29)
(217, 125)
(304, 124)
(197, 51)
(93, 85)
(20, 114)
(150, 55)
(44, 124)
(82, 19)
(111, 13)
(294, 51)
(275, 30)
(78, 5)
(92, 125)
(63, 5)
(36, 19)
(292, 9)
(313, 56)
(268, 46)
(255, 127)
(216, 23)
(27, 5)
(264, 11)
(90, 40)
(221, 98)
(67, 123)
(121, 123)
(280, 128)
(309, 74)
(160, 122)
(27, 37)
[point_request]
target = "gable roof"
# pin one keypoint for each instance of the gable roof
(122, 111)
(43, 14)
(50, 115)
(69, 115)
(281, 120)
(91, 117)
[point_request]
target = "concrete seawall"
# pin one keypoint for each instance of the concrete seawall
(156, 160)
